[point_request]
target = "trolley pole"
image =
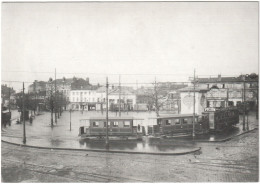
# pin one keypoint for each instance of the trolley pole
(244, 106)
(107, 140)
(193, 122)
(119, 97)
(55, 100)
(24, 133)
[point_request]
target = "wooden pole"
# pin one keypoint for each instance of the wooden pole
(107, 140)
(119, 97)
(24, 133)
(244, 105)
(55, 99)
(193, 123)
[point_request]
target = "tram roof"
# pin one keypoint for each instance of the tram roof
(113, 118)
(175, 116)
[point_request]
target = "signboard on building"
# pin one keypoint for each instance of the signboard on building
(217, 93)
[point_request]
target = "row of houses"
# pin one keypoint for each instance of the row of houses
(220, 92)
(209, 92)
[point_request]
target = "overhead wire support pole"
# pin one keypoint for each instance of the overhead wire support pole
(55, 99)
(107, 140)
(244, 105)
(24, 133)
(193, 122)
(119, 97)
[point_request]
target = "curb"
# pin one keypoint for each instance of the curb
(229, 138)
(104, 151)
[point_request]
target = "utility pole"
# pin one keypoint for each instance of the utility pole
(9, 103)
(24, 133)
(193, 123)
(119, 97)
(51, 102)
(244, 105)
(156, 99)
(55, 102)
(107, 141)
(227, 97)
(137, 108)
(70, 118)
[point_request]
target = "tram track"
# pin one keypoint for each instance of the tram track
(80, 176)
(227, 165)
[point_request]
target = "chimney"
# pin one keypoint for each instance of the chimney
(219, 77)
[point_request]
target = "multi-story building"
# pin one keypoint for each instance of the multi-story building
(93, 98)
(83, 99)
(232, 89)
(62, 85)
(37, 86)
(219, 92)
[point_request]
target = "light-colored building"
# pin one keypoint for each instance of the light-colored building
(187, 100)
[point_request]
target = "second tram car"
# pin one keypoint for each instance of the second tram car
(118, 127)
(222, 118)
(179, 125)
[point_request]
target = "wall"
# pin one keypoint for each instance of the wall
(187, 102)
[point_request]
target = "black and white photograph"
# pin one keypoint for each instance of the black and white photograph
(129, 91)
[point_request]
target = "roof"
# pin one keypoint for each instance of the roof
(191, 88)
(175, 116)
(112, 118)
(226, 79)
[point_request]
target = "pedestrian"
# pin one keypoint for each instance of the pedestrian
(31, 119)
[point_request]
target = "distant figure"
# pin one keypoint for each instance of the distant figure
(31, 119)
(138, 127)
(18, 121)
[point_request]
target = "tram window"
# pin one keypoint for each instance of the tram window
(105, 124)
(167, 122)
(95, 124)
(126, 123)
(185, 121)
(159, 121)
(176, 121)
(115, 124)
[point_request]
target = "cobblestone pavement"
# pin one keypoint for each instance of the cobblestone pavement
(232, 161)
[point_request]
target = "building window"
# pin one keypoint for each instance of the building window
(223, 85)
(85, 99)
(77, 99)
(73, 99)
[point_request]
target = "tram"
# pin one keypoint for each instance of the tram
(179, 125)
(221, 119)
(118, 128)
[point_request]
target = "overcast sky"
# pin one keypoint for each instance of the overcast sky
(128, 38)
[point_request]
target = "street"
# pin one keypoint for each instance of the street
(235, 160)
(232, 161)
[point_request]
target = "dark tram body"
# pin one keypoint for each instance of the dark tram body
(121, 127)
(179, 124)
(222, 119)
(213, 119)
